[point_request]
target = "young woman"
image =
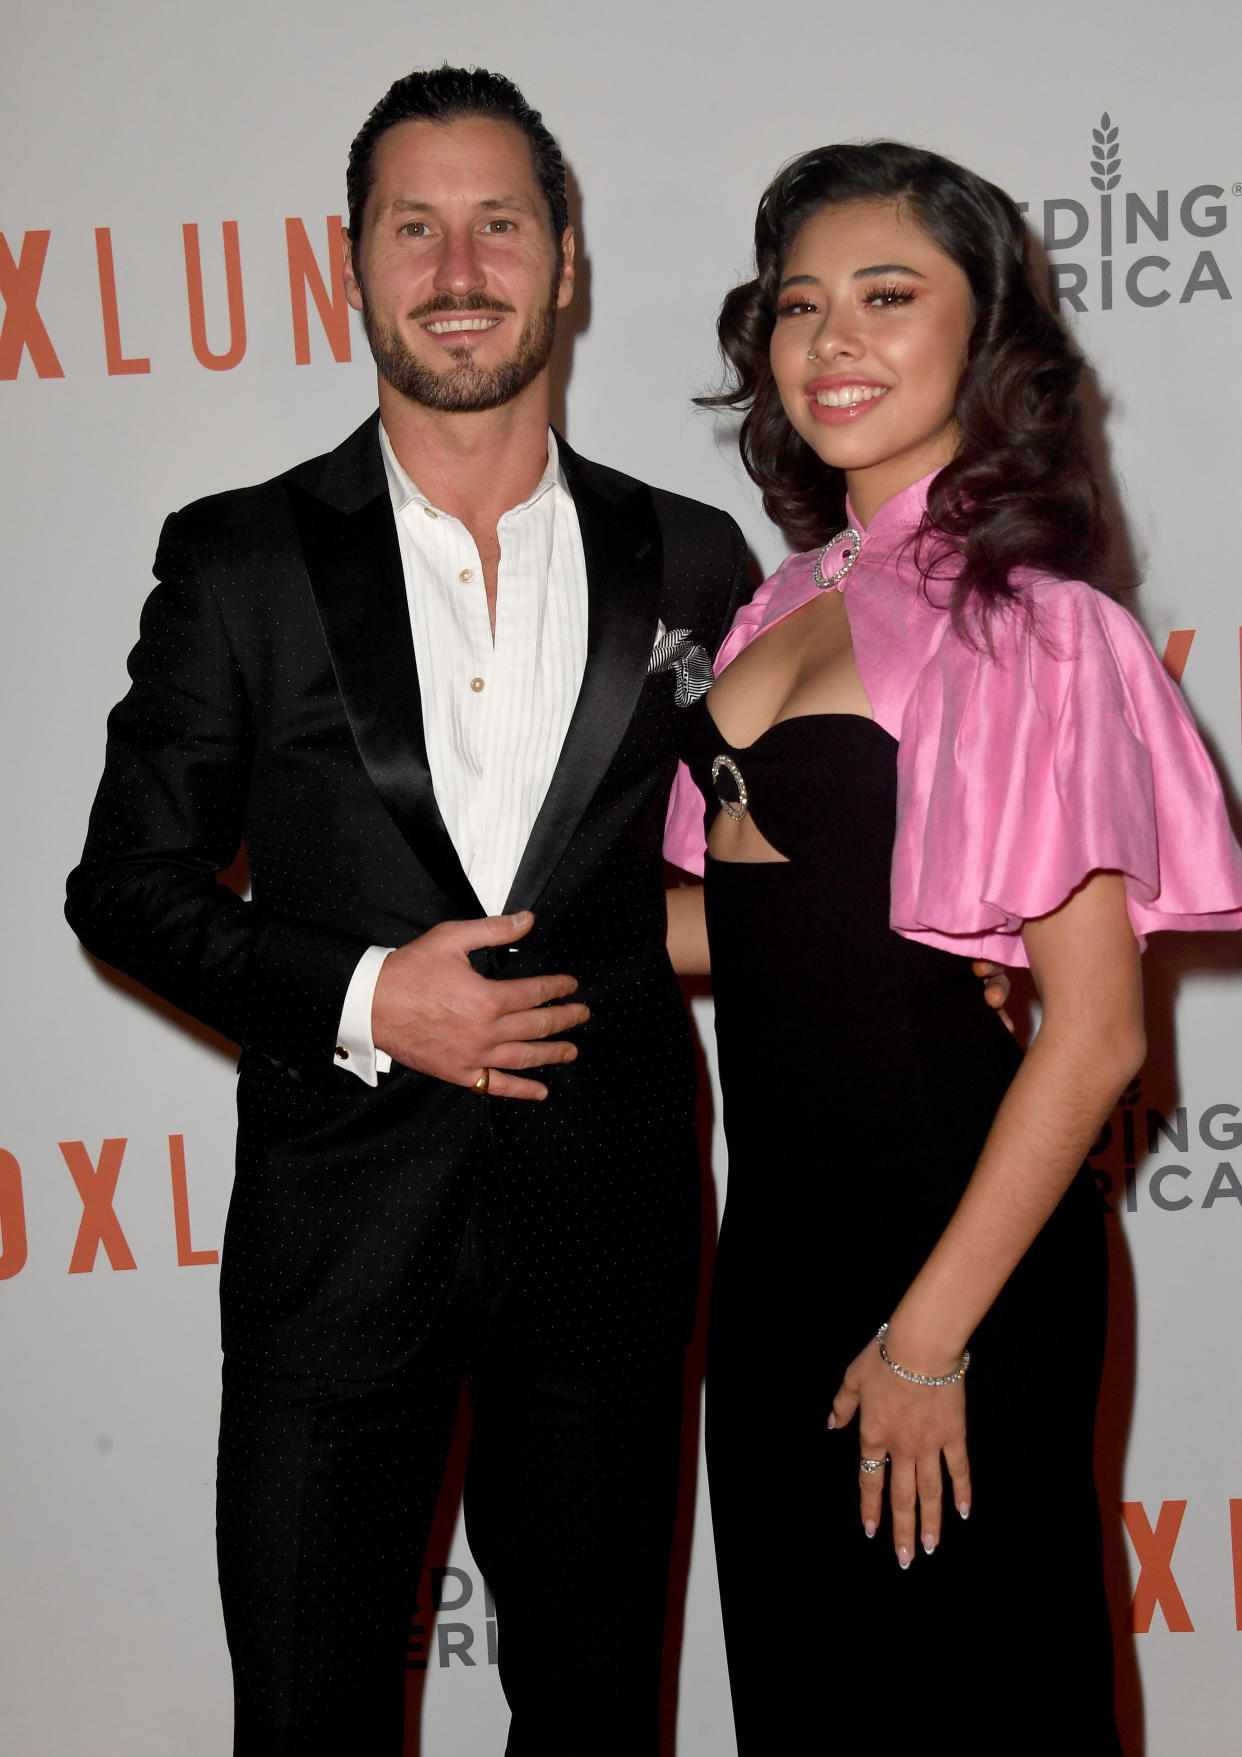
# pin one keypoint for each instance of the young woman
(928, 741)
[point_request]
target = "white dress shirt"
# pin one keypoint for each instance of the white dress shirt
(495, 712)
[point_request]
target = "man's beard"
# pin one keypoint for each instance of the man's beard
(462, 386)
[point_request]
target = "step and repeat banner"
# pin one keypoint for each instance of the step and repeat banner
(173, 323)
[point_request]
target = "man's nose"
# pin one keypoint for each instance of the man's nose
(459, 268)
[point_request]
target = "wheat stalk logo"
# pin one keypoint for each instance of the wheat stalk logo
(1105, 155)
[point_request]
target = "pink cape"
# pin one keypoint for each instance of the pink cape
(1067, 750)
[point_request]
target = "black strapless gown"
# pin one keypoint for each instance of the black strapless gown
(861, 1072)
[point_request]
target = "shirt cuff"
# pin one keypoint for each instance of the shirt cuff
(355, 1049)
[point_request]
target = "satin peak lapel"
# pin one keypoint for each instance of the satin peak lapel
(624, 564)
(354, 564)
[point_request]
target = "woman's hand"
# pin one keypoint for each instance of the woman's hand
(995, 980)
(914, 1426)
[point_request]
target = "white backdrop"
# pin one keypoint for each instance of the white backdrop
(125, 123)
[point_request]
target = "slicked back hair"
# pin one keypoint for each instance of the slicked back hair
(449, 94)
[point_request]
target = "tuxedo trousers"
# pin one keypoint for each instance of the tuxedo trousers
(327, 1490)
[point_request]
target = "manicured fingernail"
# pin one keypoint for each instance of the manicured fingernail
(904, 1557)
(963, 1508)
(869, 1527)
(929, 1543)
(832, 1421)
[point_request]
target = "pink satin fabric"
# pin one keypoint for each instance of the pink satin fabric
(1064, 751)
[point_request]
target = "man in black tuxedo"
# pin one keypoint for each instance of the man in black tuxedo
(314, 678)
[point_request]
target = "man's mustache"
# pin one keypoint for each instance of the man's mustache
(444, 304)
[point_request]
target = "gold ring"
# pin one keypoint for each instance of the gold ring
(483, 1081)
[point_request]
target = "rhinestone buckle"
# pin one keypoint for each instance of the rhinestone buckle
(736, 808)
(854, 539)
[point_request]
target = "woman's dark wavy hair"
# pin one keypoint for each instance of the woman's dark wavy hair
(1021, 491)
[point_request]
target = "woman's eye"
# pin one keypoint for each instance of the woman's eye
(795, 308)
(883, 298)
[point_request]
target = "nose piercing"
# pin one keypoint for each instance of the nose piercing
(811, 354)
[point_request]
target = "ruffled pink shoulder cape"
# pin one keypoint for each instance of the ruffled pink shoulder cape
(1064, 751)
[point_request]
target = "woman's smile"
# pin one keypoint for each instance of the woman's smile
(834, 401)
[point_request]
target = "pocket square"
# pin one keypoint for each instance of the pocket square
(676, 650)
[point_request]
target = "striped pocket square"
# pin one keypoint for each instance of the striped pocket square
(676, 650)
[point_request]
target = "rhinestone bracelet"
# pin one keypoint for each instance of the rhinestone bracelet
(919, 1378)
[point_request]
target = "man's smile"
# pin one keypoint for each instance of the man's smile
(443, 326)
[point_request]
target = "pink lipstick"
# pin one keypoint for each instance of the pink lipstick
(839, 400)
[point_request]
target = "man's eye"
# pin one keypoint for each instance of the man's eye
(499, 226)
(415, 228)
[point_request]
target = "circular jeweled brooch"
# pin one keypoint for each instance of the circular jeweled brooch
(853, 543)
(736, 808)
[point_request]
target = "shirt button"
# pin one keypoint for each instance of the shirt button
(476, 684)
(466, 575)
(431, 512)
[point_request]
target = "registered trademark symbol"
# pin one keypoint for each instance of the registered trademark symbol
(1237, 189)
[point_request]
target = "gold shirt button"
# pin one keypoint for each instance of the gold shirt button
(476, 684)
(466, 575)
(431, 512)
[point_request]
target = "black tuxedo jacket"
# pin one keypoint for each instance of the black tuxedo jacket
(275, 702)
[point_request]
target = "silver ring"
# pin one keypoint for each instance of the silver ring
(871, 1466)
(811, 356)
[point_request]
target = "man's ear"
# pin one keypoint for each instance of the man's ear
(565, 286)
(353, 292)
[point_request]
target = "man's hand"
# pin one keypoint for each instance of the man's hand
(995, 979)
(432, 1011)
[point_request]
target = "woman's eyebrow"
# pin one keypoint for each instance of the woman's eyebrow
(886, 268)
(859, 274)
